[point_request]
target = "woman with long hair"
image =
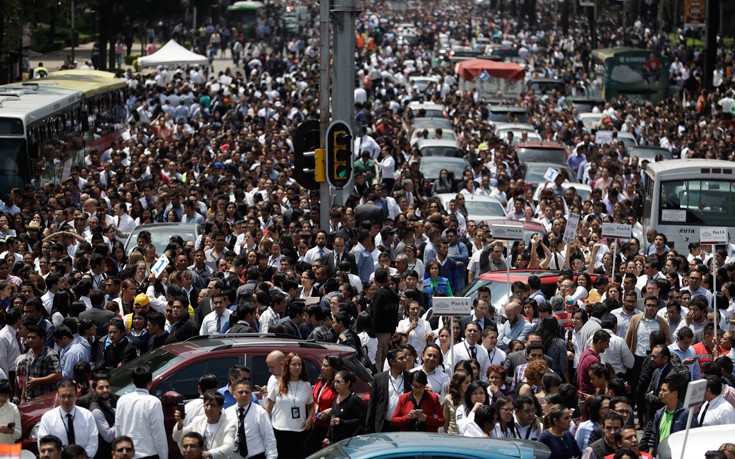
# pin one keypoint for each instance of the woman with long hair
(554, 346)
(436, 284)
(348, 411)
(556, 434)
(454, 400)
(418, 410)
(506, 426)
(291, 407)
(474, 397)
(324, 394)
(366, 332)
(138, 334)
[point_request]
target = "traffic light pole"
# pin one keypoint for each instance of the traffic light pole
(343, 79)
(324, 198)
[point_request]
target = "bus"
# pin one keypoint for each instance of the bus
(245, 15)
(638, 74)
(40, 132)
(95, 120)
(684, 195)
(103, 102)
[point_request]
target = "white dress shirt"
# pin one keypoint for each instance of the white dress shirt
(9, 349)
(313, 254)
(54, 422)
(9, 413)
(719, 412)
(395, 390)
(139, 415)
(219, 439)
(209, 323)
(462, 352)
(618, 355)
(258, 431)
(417, 337)
(437, 378)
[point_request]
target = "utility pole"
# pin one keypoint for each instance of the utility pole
(324, 198)
(710, 50)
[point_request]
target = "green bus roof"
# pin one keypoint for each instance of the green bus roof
(606, 53)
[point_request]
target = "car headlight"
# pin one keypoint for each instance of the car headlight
(34, 432)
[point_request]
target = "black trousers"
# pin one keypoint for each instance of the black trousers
(290, 444)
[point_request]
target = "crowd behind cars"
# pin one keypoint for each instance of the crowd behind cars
(578, 365)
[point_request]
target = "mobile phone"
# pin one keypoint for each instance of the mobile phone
(11, 425)
(419, 412)
(180, 408)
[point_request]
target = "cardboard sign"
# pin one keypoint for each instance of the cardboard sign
(713, 235)
(452, 305)
(570, 233)
(551, 174)
(508, 232)
(160, 266)
(616, 230)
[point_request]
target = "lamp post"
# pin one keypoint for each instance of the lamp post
(73, 40)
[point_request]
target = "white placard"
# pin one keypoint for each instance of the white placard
(713, 235)
(452, 305)
(695, 393)
(508, 232)
(603, 137)
(160, 265)
(616, 230)
(570, 233)
(674, 215)
(551, 174)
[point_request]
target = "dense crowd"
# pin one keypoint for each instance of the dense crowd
(579, 370)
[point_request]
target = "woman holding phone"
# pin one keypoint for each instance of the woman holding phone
(418, 410)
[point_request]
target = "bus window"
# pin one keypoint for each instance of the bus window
(699, 202)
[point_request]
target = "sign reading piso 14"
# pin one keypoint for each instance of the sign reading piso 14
(452, 305)
(713, 235)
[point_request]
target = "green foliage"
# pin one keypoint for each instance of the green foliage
(132, 59)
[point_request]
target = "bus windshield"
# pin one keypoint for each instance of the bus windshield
(697, 202)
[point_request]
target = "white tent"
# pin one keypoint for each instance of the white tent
(172, 53)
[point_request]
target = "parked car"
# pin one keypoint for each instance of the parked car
(177, 367)
(161, 234)
(504, 113)
(441, 147)
(587, 104)
(542, 151)
(499, 283)
(430, 110)
(650, 153)
(547, 85)
(700, 440)
(413, 445)
(479, 208)
(535, 172)
(431, 167)
(518, 129)
(583, 190)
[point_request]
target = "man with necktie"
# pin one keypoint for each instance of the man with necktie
(72, 424)
(255, 438)
(217, 321)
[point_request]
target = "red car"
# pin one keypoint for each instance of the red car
(497, 282)
(177, 367)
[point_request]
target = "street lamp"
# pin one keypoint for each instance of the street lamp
(72, 33)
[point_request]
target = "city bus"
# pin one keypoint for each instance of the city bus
(244, 15)
(638, 74)
(40, 134)
(103, 101)
(684, 195)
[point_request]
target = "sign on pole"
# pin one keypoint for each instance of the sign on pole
(616, 230)
(508, 232)
(713, 235)
(458, 306)
(570, 233)
(693, 399)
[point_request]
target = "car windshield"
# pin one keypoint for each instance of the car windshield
(452, 152)
(535, 173)
(484, 208)
(498, 291)
(157, 360)
(551, 155)
(160, 236)
(431, 169)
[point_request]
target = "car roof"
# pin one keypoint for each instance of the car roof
(437, 143)
(547, 144)
(519, 275)
(443, 159)
(431, 123)
(213, 343)
(514, 126)
(446, 197)
(422, 442)
(428, 105)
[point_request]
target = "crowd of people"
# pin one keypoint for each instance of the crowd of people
(581, 368)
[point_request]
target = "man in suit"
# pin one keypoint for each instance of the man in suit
(384, 314)
(664, 367)
(292, 326)
(387, 387)
(480, 316)
(338, 255)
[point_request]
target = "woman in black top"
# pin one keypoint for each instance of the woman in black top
(348, 411)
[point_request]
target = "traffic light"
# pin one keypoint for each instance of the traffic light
(305, 142)
(339, 154)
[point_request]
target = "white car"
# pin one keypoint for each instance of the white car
(479, 208)
(590, 121)
(700, 440)
(583, 190)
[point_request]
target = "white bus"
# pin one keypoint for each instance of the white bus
(686, 194)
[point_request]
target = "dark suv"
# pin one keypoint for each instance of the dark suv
(177, 367)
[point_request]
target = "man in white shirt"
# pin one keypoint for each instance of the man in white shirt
(618, 355)
(254, 432)
(123, 222)
(139, 415)
(320, 251)
(218, 431)
(10, 346)
(72, 424)
(715, 411)
(217, 321)
(432, 360)
(471, 348)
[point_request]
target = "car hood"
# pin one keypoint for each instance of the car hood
(32, 410)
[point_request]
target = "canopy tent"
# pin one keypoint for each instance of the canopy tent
(172, 53)
(472, 68)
